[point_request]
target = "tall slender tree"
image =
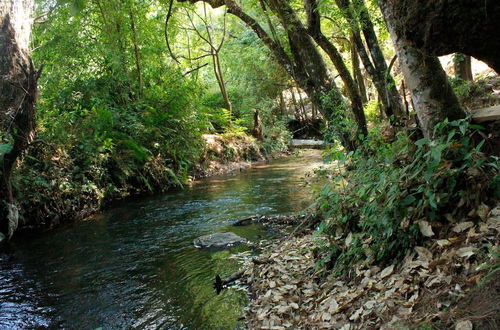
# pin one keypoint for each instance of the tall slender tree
(304, 64)
(372, 58)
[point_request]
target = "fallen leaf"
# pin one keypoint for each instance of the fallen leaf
(348, 239)
(483, 211)
(387, 271)
(355, 316)
(423, 253)
(474, 278)
(334, 306)
(466, 252)
(464, 325)
(458, 228)
(443, 242)
(425, 228)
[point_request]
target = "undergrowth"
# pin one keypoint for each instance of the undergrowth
(382, 197)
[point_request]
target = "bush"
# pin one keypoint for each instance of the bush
(380, 194)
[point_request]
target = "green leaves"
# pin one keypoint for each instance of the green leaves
(5, 148)
(389, 188)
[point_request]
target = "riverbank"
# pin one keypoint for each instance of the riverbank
(449, 281)
(58, 192)
(134, 264)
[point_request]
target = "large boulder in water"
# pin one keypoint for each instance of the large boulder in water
(218, 240)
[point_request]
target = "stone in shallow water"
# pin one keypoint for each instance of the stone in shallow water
(2, 238)
(218, 240)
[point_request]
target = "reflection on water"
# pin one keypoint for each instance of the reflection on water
(134, 266)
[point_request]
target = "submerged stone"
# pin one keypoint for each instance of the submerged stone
(218, 240)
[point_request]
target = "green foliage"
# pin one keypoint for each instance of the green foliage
(379, 193)
(372, 111)
(340, 124)
(276, 138)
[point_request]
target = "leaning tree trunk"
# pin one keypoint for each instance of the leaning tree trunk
(393, 98)
(314, 29)
(432, 95)
(356, 71)
(305, 64)
(18, 92)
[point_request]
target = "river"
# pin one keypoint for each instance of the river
(134, 265)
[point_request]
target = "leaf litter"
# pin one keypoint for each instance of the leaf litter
(287, 291)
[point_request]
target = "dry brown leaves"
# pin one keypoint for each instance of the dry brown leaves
(430, 280)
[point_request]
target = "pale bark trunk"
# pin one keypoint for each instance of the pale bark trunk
(432, 95)
(220, 80)
(18, 92)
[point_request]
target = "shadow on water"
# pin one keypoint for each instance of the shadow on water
(135, 266)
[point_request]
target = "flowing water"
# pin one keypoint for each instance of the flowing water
(134, 266)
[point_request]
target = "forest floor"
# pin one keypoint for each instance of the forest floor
(446, 283)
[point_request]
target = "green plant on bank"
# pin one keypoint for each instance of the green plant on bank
(340, 125)
(372, 111)
(375, 200)
(276, 137)
(492, 267)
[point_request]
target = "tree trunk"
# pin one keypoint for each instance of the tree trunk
(18, 93)
(441, 27)
(305, 65)
(136, 50)
(356, 71)
(257, 126)
(220, 80)
(378, 71)
(432, 95)
(394, 99)
(463, 66)
(314, 29)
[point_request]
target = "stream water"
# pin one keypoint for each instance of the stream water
(134, 266)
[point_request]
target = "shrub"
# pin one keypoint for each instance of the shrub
(379, 194)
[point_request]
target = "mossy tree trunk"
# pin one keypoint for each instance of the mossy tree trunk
(372, 58)
(18, 93)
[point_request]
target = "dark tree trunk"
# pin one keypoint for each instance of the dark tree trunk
(305, 65)
(432, 95)
(442, 27)
(314, 29)
(356, 71)
(377, 70)
(137, 55)
(18, 93)
(463, 66)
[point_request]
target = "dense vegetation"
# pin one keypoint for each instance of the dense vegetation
(129, 88)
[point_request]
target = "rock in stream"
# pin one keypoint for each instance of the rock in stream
(218, 240)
